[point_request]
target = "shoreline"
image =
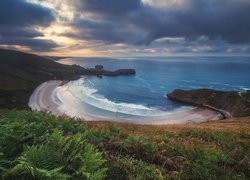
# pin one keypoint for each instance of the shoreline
(42, 100)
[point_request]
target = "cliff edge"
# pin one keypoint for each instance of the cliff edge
(229, 104)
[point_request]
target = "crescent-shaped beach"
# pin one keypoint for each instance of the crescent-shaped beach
(45, 98)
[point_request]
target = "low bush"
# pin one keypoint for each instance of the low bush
(38, 146)
(32, 147)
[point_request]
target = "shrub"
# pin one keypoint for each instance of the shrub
(31, 147)
(130, 168)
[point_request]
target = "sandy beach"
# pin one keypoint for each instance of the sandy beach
(44, 99)
(41, 99)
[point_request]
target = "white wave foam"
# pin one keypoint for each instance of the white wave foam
(74, 94)
(59, 100)
(244, 88)
(219, 83)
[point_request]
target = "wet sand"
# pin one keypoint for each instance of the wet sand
(43, 99)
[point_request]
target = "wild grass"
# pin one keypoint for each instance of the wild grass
(36, 145)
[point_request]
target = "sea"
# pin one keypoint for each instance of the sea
(142, 97)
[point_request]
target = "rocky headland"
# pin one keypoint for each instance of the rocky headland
(100, 71)
(229, 104)
(21, 73)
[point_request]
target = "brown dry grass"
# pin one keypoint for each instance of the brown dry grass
(233, 124)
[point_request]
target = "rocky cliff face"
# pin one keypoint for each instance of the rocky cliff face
(228, 103)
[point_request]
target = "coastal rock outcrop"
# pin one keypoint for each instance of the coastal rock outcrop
(99, 67)
(229, 104)
(119, 72)
(99, 71)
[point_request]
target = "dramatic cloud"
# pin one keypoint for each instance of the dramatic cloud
(109, 7)
(19, 12)
(19, 21)
(37, 45)
(217, 19)
(127, 26)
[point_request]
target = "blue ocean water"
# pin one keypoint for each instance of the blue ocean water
(128, 96)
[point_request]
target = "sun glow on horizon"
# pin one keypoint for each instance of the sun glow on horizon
(127, 27)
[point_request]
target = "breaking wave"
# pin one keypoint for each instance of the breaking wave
(78, 100)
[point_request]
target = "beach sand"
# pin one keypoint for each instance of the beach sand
(43, 99)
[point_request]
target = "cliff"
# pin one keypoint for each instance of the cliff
(21, 73)
(229, 104)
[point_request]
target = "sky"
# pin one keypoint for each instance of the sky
(126, 27)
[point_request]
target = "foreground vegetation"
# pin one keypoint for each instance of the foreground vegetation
(38, 146)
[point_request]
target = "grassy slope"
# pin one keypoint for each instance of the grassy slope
(213, 150)
(20, 73)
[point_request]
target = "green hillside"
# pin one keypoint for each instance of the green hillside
(38, 146)
(20, 73)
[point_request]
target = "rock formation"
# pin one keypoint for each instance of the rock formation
(229, 104)
(99, 67)
(99, 71)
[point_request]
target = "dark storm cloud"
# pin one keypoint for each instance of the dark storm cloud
(104, 31)
(19, 12)
(37, 45)
(110, 7)
(17, 32)
(132, 22)
(225, 19)
(17, 21)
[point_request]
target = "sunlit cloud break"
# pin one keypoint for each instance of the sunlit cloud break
(125, 27)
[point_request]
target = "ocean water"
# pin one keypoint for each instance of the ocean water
(143, 96)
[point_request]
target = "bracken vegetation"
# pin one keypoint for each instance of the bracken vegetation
(38, 146)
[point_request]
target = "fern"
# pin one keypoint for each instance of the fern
(82, 157)
(25, 170)
(92, 158)
(59, 157)
(97, 175)
(38, 162)
(130, 168)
